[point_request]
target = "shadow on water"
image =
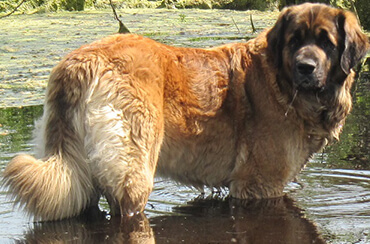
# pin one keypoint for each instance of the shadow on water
(200, 221)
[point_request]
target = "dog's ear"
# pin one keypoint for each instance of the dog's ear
(275, 37)
(355, 42)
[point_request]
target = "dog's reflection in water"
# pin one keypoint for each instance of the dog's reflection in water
(200, 221)
(93, 226)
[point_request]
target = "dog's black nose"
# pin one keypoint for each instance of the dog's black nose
(306, 67)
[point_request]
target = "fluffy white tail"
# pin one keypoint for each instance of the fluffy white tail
(60, 184)
(50, 189)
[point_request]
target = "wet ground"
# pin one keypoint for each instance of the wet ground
(331, 204)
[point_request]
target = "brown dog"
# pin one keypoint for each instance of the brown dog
(246, 116)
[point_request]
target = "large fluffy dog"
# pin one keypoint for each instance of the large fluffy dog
(246, 116)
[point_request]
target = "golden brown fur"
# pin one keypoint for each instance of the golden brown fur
(246, 116)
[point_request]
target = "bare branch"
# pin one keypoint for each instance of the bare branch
(253, 28)
(122, 27)
(15, 9)
(235, 24)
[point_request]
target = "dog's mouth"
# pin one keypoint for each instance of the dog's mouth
(307, 75)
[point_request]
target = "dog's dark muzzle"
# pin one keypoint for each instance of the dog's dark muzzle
(308, 68)
(305, 74)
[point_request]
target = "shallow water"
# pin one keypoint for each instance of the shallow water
(330, 204)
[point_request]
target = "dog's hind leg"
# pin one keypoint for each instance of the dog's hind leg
(124, 135)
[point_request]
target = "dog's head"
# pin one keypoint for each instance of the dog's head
(314, 44)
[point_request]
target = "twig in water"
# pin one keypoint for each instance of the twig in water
(253, 28)
(122, 27)
(235, 24)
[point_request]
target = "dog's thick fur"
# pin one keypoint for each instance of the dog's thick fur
(246, 116)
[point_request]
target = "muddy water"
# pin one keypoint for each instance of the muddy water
(330, 204)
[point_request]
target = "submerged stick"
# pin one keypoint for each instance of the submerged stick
(235, 25)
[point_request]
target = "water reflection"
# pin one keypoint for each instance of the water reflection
(87, 230)
(338, 201)
(214, 221)
(353, 150)
(199, 221)
(16, 126)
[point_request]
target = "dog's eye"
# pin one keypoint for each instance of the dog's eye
(295, 39)
(325, 42)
